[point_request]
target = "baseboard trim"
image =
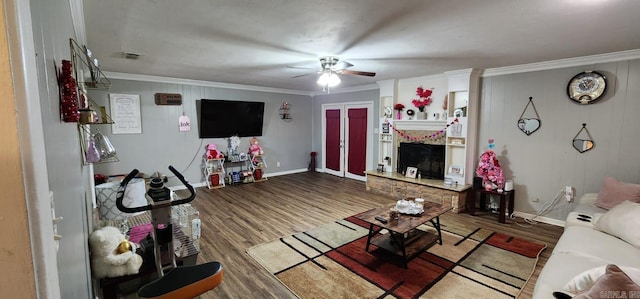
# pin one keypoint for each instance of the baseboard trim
(542, 219)
(267, 175)
(293, 171)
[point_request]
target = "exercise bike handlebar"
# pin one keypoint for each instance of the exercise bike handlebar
(132, 174)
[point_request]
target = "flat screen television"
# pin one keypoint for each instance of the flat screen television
(222, 118)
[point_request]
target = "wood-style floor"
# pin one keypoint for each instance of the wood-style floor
(235, 218)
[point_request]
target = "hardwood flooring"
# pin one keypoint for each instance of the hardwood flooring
(235, 218)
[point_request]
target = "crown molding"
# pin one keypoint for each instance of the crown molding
(563, 63)
(160, 79)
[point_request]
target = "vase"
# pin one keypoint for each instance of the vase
(421, 108)
(399, 115)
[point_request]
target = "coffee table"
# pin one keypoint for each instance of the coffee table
(403, 238)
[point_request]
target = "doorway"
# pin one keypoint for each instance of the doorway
(347, 139)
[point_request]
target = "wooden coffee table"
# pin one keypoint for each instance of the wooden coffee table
(403, 238)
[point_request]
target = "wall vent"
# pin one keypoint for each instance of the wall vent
(129, 55)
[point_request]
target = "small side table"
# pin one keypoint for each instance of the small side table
(504, 196)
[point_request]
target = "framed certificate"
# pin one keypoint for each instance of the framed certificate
(125, 112)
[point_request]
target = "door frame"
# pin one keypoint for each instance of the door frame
(344, 129)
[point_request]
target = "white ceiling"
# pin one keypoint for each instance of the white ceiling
(266, 43)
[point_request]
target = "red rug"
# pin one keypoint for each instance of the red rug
(331, 262)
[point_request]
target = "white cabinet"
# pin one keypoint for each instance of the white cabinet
(214, 172)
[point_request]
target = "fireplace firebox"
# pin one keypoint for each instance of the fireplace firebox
(428, 158)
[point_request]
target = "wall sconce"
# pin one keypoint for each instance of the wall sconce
(285, 113)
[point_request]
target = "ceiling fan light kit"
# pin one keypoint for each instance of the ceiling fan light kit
(329, 78)
(331, 68)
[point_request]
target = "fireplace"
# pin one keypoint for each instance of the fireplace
(428, 158)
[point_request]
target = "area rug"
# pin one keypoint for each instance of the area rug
(330, 261)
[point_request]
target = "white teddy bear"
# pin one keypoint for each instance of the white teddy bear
(111, 254)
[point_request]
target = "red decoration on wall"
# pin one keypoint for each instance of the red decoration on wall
(68, 93)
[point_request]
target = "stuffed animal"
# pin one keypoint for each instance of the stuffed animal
(255, 148)
(213, 152)
(111, 254)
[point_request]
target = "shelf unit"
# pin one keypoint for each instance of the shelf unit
(214, 172)
(239, 172)
(88, 76)
(386, 147)
(456, 144)
(463, 104)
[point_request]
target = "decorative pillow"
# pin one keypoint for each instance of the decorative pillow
(622, 221)
(584, 281)
(611, 285)
(614, 192)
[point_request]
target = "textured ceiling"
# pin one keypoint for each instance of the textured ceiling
(266, 43)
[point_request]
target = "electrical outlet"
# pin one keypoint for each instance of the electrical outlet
(536, 199)
(278, 164)
(568, 193)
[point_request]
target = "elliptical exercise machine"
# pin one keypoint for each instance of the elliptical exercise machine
(173, 281)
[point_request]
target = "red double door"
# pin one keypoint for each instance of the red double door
(347, 145)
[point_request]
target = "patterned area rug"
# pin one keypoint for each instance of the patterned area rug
(330, 261)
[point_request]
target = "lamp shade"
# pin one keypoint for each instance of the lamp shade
(333, 80)
(324, 79)
(329, 78)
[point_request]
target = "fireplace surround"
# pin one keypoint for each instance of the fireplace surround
(428, 158)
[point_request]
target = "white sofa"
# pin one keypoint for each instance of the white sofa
(581, 248)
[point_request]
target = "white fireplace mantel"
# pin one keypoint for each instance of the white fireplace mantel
(420, 124)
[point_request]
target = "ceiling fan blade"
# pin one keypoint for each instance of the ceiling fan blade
(341, 65)
(368, 74)
(298, 76)
(301, 67)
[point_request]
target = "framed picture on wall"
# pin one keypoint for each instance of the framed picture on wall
(456, 170)
(125, 111)
(411, 172)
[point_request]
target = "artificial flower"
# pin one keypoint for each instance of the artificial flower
(398, 106)
(424, 98)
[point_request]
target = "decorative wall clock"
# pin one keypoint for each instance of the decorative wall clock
(587, 87)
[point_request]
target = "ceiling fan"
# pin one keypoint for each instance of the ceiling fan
(331, 66)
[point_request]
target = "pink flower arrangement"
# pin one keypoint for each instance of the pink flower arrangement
(398, 106)
(424, 98)
(489, 168)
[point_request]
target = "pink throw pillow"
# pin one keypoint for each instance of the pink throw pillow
(614, 192)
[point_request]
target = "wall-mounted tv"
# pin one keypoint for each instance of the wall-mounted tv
(222, 118)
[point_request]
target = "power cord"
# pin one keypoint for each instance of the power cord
(192, 159)
(546, 208)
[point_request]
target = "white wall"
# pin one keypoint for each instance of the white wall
(542, 163)
(368, 95)
(161, 144)
(68, 179)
